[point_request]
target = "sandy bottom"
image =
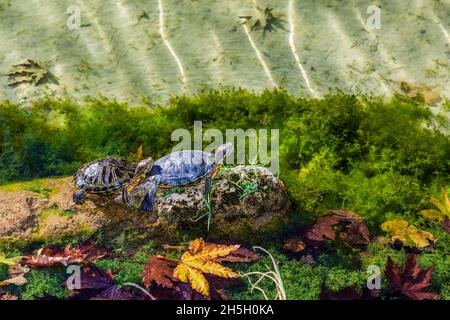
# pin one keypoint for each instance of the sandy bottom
(161, 48)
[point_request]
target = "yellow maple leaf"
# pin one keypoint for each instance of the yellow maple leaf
(443, 206)
(408, 234)
(199, 259)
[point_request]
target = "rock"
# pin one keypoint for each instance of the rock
(247, 201)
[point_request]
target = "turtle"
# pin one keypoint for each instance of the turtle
(107, 176)
(177, 169)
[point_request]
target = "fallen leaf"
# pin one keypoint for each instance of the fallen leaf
(16, 275)
(294, 244)
(239, 255)
(54, 255)
(93, 277)
(443, 206)
(28, 71)
(412, 281)
(430, 95)
(354, 230)
(159, 271)
(199, 259)
(409, 235)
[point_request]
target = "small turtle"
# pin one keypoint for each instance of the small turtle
(178, 168)
(107, 176)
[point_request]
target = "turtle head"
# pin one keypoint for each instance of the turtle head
(223, 151)
(143, 168)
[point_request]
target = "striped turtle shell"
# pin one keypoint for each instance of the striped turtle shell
(183, 167)
(104, 175)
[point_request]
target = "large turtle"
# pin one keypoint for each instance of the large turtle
(178, 168)
(107, 176)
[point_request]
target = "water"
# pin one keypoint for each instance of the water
(160, 48)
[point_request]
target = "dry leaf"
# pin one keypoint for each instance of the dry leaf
(53, 255)
(354, 230)
(199, 259)
(408, 234)
(27, 72)
(159, 271)
(294, 244)
(239, 255)
(16, 275)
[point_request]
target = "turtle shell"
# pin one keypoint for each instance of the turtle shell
(183, 167)
(104, 175)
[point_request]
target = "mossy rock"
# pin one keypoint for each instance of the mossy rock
(239, 211)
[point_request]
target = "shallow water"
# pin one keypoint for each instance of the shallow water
(160, 48)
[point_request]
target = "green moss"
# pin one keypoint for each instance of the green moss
(127, 271)
(13, 247)
(3, 272)
(45, 214)
(44, 283)
(38, 186)
(301, 281)
(129, 268)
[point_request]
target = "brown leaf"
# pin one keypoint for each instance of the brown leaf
(294, 244)
(54, 255)
(413, 281)
(93, 277)
(16, 275)
(89, 252)
(354, 230)
(239, 255)
(159, 271)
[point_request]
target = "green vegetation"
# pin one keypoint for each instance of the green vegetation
(382, 160)
(37, 186)
(44, 284)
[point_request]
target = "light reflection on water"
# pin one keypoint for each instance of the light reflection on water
(160, 48)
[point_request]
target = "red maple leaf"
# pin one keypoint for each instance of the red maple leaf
(413, 281)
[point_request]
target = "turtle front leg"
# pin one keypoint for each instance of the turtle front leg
(150, 198)
(79, 196)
